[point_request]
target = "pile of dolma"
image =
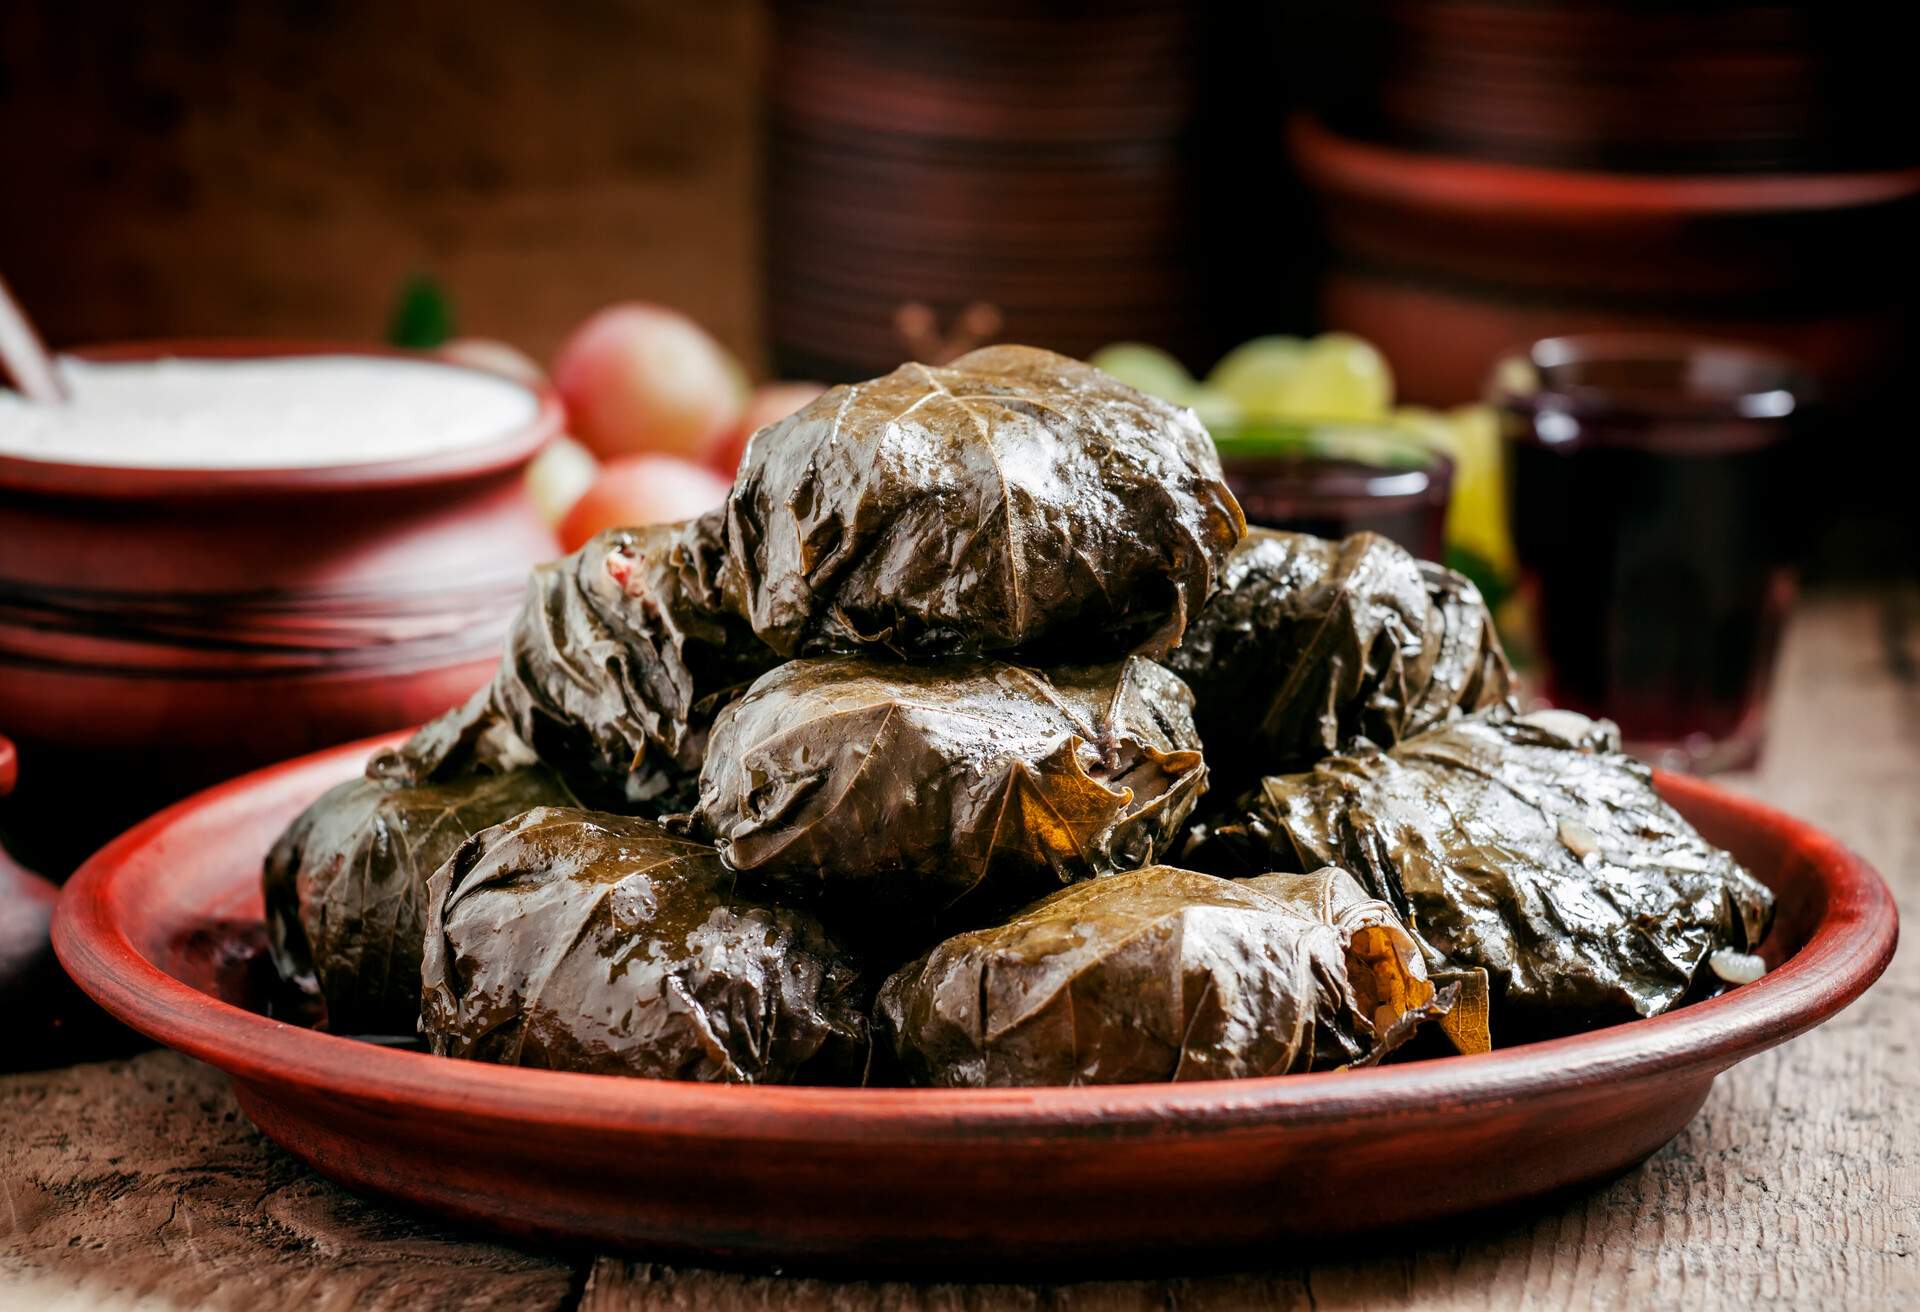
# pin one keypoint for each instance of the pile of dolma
(1311, 644)
(1528, 847)
(976, 741)
(662, 966)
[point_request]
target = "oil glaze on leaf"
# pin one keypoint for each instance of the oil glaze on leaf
(345, 885)
(1014, 499)
(577, 940)
(1464, 830)
(1163, 974)
(1310, 644)
(919, 786)
(615, 667)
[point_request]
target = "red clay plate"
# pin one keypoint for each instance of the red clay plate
(162, 928)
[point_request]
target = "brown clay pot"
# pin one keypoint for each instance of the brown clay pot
(162, 629)
(1446, 263)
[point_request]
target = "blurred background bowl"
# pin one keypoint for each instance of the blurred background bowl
(1685, 87)
(1444, 262)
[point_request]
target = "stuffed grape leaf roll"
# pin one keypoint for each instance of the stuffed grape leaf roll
(345, 885)
(917, 787)
(1530, 847)
(471, 739)
(1014, 499)
(1310, 644)
(581, 941)
(1163, 974)
(614, 668)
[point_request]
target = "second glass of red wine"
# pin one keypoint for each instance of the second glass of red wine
(1332, 479)
(1650, 497)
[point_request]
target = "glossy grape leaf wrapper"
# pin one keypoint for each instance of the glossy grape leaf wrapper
(614, 669)
(1013, 499)
(1530, 847)
(1310, 644)
(1164, 974)
(345, 886)
(915, 787)
(581, 941)
(471, 739)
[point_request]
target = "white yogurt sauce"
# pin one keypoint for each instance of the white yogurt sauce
(290, 412)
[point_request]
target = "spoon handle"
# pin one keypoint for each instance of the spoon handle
(23, 357)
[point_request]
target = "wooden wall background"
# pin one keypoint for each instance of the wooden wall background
(282, 166)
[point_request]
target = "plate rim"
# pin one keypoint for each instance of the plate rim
(1850, 946)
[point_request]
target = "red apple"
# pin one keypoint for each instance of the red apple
(639, 378)
(636, 490)
(769, 404)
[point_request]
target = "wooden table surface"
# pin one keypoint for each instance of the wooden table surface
(140, 1184)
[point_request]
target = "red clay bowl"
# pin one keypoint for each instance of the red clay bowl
(504, 454)
(232, 617)
(162, 927)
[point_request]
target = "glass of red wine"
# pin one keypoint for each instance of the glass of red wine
(1332, 479)
(1649, 493)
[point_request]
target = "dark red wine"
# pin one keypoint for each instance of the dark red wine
(1654, 533)
(1334, 487)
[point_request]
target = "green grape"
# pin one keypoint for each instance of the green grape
(1218, 411)
(1339, 377)
(1256, 375)
(1147, 368)
(1430, 426)
(559, 476)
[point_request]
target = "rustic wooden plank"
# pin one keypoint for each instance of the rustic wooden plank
(139, 1183)
(1798, 1185)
